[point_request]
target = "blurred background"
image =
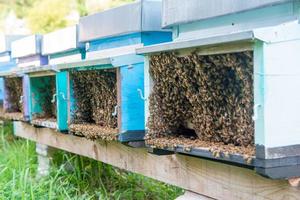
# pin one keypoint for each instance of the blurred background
(43, 16)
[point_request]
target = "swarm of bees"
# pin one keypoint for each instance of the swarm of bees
(46, 90)
(13, 86)
(209, 94)
(95, 93)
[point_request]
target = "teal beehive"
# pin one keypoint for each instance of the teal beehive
(224, 88)
(62, 47)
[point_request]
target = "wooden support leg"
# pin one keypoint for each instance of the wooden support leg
(44, 159)
(188, 195)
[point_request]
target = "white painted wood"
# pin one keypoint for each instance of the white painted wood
(65, 59)
(26, 46)
(281, 99)
(60, 40)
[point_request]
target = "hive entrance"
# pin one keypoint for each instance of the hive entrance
(43, 90)
(95, 97)
(211, 94)
(14, 91)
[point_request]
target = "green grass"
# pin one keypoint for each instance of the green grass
(71, 176)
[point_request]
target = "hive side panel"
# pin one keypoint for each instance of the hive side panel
(147, 88)
(6, 103)
(62, 79)
(26, 93)
(259, 89)
(132, 104)
(281, 106)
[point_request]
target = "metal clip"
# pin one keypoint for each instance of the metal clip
(115, 113)
(53, 98)
(255, 112)
(63, 96)
(21, 99)
(141, 94)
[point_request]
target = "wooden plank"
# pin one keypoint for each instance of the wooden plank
(212, 179)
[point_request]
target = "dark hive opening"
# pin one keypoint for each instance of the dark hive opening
(211, 94)
(95, 94)
(14, 91)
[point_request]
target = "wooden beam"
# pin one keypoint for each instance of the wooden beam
(209, 178)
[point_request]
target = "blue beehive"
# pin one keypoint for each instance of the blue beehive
(216, 34)
(111, 38)
(62, 47)
(27, 52)
(6, 62)
(12, 91)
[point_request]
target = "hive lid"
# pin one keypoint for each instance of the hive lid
(186, 11)
(60, 40)
(27, 46)
(144, 15)
(6, 40)
(283, 32)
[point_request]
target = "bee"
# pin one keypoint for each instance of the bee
(14, 107)
(95, 93)
(213, 91)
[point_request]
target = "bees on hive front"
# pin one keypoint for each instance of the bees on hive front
(95, 93)
(14, 90)
(211, 94)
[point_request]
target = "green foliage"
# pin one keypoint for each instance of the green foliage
(48, 15)
(82, 8)
(72, 177)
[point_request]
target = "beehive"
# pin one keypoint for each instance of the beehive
(220, 90)
(62, 47)
(11, 93)
(111, 106)
(27, 53)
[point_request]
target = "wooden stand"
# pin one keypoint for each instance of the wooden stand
(209, 178)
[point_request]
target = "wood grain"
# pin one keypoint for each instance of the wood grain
(212, 179)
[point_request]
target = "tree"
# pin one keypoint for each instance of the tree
(48, 15)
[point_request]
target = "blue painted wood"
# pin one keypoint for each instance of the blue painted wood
(147, 38)
(132, 105)
(156, 37)
(113, 42)
(62, 101)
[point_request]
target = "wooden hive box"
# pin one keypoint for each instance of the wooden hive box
(27, 53)
(111, 37)
(11, 107)
(224, 89)
(62, 47)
